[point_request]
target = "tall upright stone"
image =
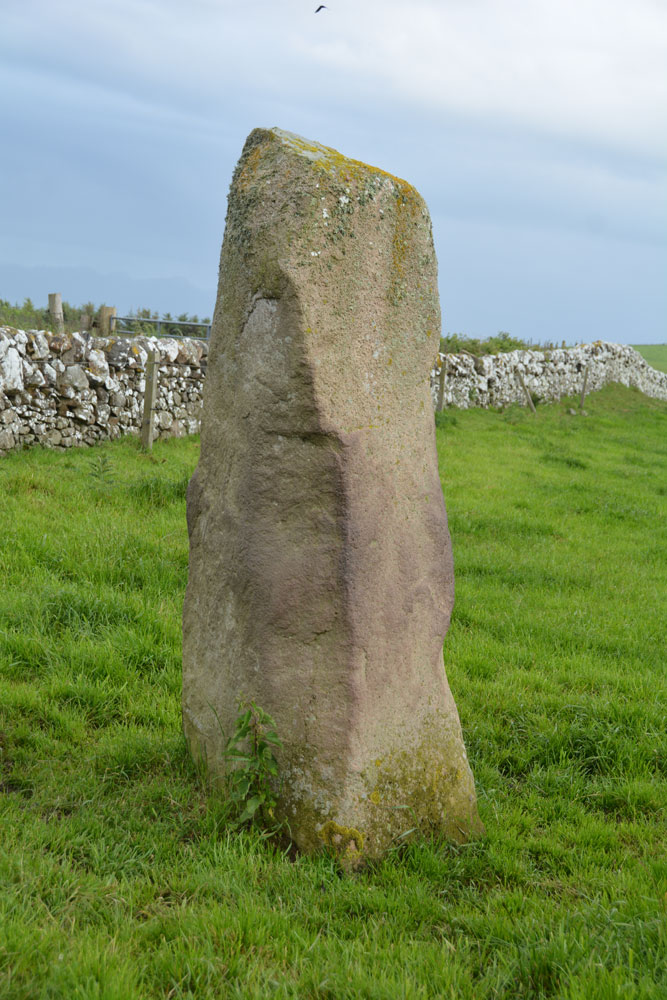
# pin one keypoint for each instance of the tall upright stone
(321, 579)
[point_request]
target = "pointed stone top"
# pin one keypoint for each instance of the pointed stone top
(327, 157)
(328, 160)
(353, 245)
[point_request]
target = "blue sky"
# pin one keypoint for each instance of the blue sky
(536, 130)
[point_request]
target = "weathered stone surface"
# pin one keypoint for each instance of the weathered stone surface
(32, 375)
(169, 350)
(59, 343)
(11, 369)
(119, 352)
(77, 349)
(98, 369)
(190, 352)
(321, 579)
(7, 440)
(73, 378)
(117, 399)
(38, 345)
(53, 438)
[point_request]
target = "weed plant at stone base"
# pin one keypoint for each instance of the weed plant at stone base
(252, 777)
(120, 876)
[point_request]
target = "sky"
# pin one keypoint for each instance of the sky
(536, 130)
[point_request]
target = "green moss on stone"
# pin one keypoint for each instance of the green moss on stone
(346, 842)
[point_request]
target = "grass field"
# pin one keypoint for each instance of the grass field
(118, 878)
(655, 354)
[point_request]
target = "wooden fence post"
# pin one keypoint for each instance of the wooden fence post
(583, 388)
(56, 311)
(529, 398)
(149, 401)
(106, 312)
(441, 386)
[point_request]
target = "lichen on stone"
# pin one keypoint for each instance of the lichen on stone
(346, 842)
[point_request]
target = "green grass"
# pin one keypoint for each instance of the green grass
(118, 878)
(655, 354)
(454, 343)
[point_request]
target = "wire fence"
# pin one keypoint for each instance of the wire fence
(158, 327)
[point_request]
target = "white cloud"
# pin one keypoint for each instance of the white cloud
(577, 68)
(592, 68)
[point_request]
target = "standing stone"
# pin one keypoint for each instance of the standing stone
(321, 578)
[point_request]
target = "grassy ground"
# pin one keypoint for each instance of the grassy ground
(655, 354)
(118, 880)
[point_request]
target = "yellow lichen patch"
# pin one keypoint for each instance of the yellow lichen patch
(426, 786)
(333, 162)
(346, 842)
(249, 166)
(408, 212)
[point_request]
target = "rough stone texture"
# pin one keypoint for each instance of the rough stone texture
(73, 389)
(321, 579)
(11, 369)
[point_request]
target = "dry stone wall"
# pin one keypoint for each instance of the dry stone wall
(462, 381)
(74, 389)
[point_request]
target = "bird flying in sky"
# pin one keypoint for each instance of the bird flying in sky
(322, 6)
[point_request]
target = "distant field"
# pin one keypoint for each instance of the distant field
(655, 354)
(118, 877)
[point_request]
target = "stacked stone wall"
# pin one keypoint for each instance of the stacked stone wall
(463, 381)
(74, 389)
